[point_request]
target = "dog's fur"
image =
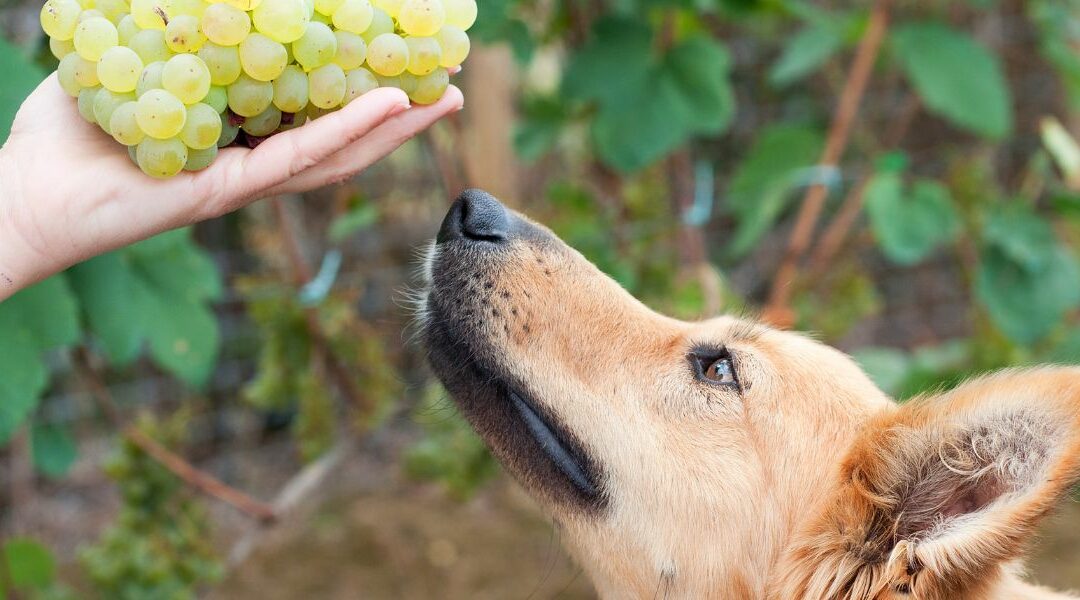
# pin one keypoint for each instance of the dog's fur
(803, 481)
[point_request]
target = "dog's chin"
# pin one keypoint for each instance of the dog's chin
(526, 438)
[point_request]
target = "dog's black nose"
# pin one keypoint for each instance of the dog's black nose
(476, 215)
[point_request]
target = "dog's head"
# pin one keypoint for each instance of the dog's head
(724, 458)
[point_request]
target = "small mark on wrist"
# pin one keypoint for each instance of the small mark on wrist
(7, 280)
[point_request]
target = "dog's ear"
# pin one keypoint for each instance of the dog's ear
(935, 499)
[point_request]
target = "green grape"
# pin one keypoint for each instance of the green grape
(223, 62)
(59, 18)
(380, 23)
(291, 90)
(407, 82)
(292, 120)
(182, 34)
(217, 98)
(460, 13)
(150, 45)
(264, 123)
(394, 81)
(94, 36)
(91, 13)
(76, 73)
(424, 55)
(229, 131)
(202, 127)
(61, 48)
(355, 16)
(126, 29)
(244, 4)
(321, 18)
(454, 44)
(132, 154)
(225, 25)
(327, 7)
(326, 86)
(105, 102)
(186, 77)
(187, 8)
(119, 69)
(124, 126)
(357, 83)
(161, 158)
(86, 104)
(114, 10)
(249, 97)
(390, 7)
(421, 17)
(262, 58)
(429, 88)
(150, 79)
(198, 160)
(148, 14)
(314, 112)
(351, 50)
(283, 21)
(316, 47)
(160, 114)
(388, 54)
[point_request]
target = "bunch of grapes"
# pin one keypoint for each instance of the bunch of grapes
(175, 80)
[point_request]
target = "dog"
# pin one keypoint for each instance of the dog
(726, 459)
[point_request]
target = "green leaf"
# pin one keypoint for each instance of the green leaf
(537, 131)
(956, 77)
(23, 381)
(20, 78)
(106, 289)
(700, 68)
(909, 224)
(1023, 236)
(31, 565)
(183, 336)
(355, 220)
(805, 53)
(53, 449)
(614, 66)
(632, 135)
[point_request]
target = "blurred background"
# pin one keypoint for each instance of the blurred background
(237, 411)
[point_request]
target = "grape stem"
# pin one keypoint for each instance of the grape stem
(161, 13)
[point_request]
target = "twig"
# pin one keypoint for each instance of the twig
(835, 235)
(777, 311)
(192, 476)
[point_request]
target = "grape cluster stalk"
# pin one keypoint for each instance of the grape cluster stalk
(175, 80)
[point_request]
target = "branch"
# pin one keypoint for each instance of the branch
(777, 311)
(192, 476)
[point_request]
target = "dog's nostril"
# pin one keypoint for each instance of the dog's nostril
(483, 217)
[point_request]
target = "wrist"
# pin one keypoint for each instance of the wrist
(17, 263)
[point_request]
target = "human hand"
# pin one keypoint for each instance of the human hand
(69, 192)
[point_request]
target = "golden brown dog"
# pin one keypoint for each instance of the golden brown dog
(725, 459)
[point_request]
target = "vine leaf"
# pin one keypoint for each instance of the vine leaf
(52, 448)
(805, 53)
(20, 78)
(910, 223)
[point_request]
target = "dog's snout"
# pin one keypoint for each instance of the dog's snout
(476, 215)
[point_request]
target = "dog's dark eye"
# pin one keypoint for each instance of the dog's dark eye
(721, 371)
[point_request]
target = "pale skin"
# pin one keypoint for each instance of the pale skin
(69, 192)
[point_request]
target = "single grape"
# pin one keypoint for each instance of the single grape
(114, 10)
(327, 7)
(326, 86)
(357, 83)
(388, 54)
(186, 77)
(244, 4)
(291, 90)
(150, 79)
(283, 21)
(264, 123)
(454, 44)
(262, 58)
(292, 120)
(187, 8)
(217, 98)
(380, 23)
(316, 47)
(126, 29)
(202, 128)
(148, 14)
(105, 102)
(124, 126)
(59, 18)
(390, 7)
(407, 82)
(86, 104)
(161, 158)
(460, 13)
(150, 45)
(61, 48)
(387, 81)
(321, 18)
(225, 25)
(223, 62)
(182, 34)
(94, 36)
(249, 97)
(119, 69)
(314, 112)
(76, 73)
(133, 155)
(198, 160)
(429, 88)
(351, 50)
(424, 55)
(421, 17)
(229, 131)
(160, 114)
(355, 16)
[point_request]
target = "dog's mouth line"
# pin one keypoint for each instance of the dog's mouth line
(565, 459)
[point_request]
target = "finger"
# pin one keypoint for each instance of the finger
(381, 141)
(241, 176)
